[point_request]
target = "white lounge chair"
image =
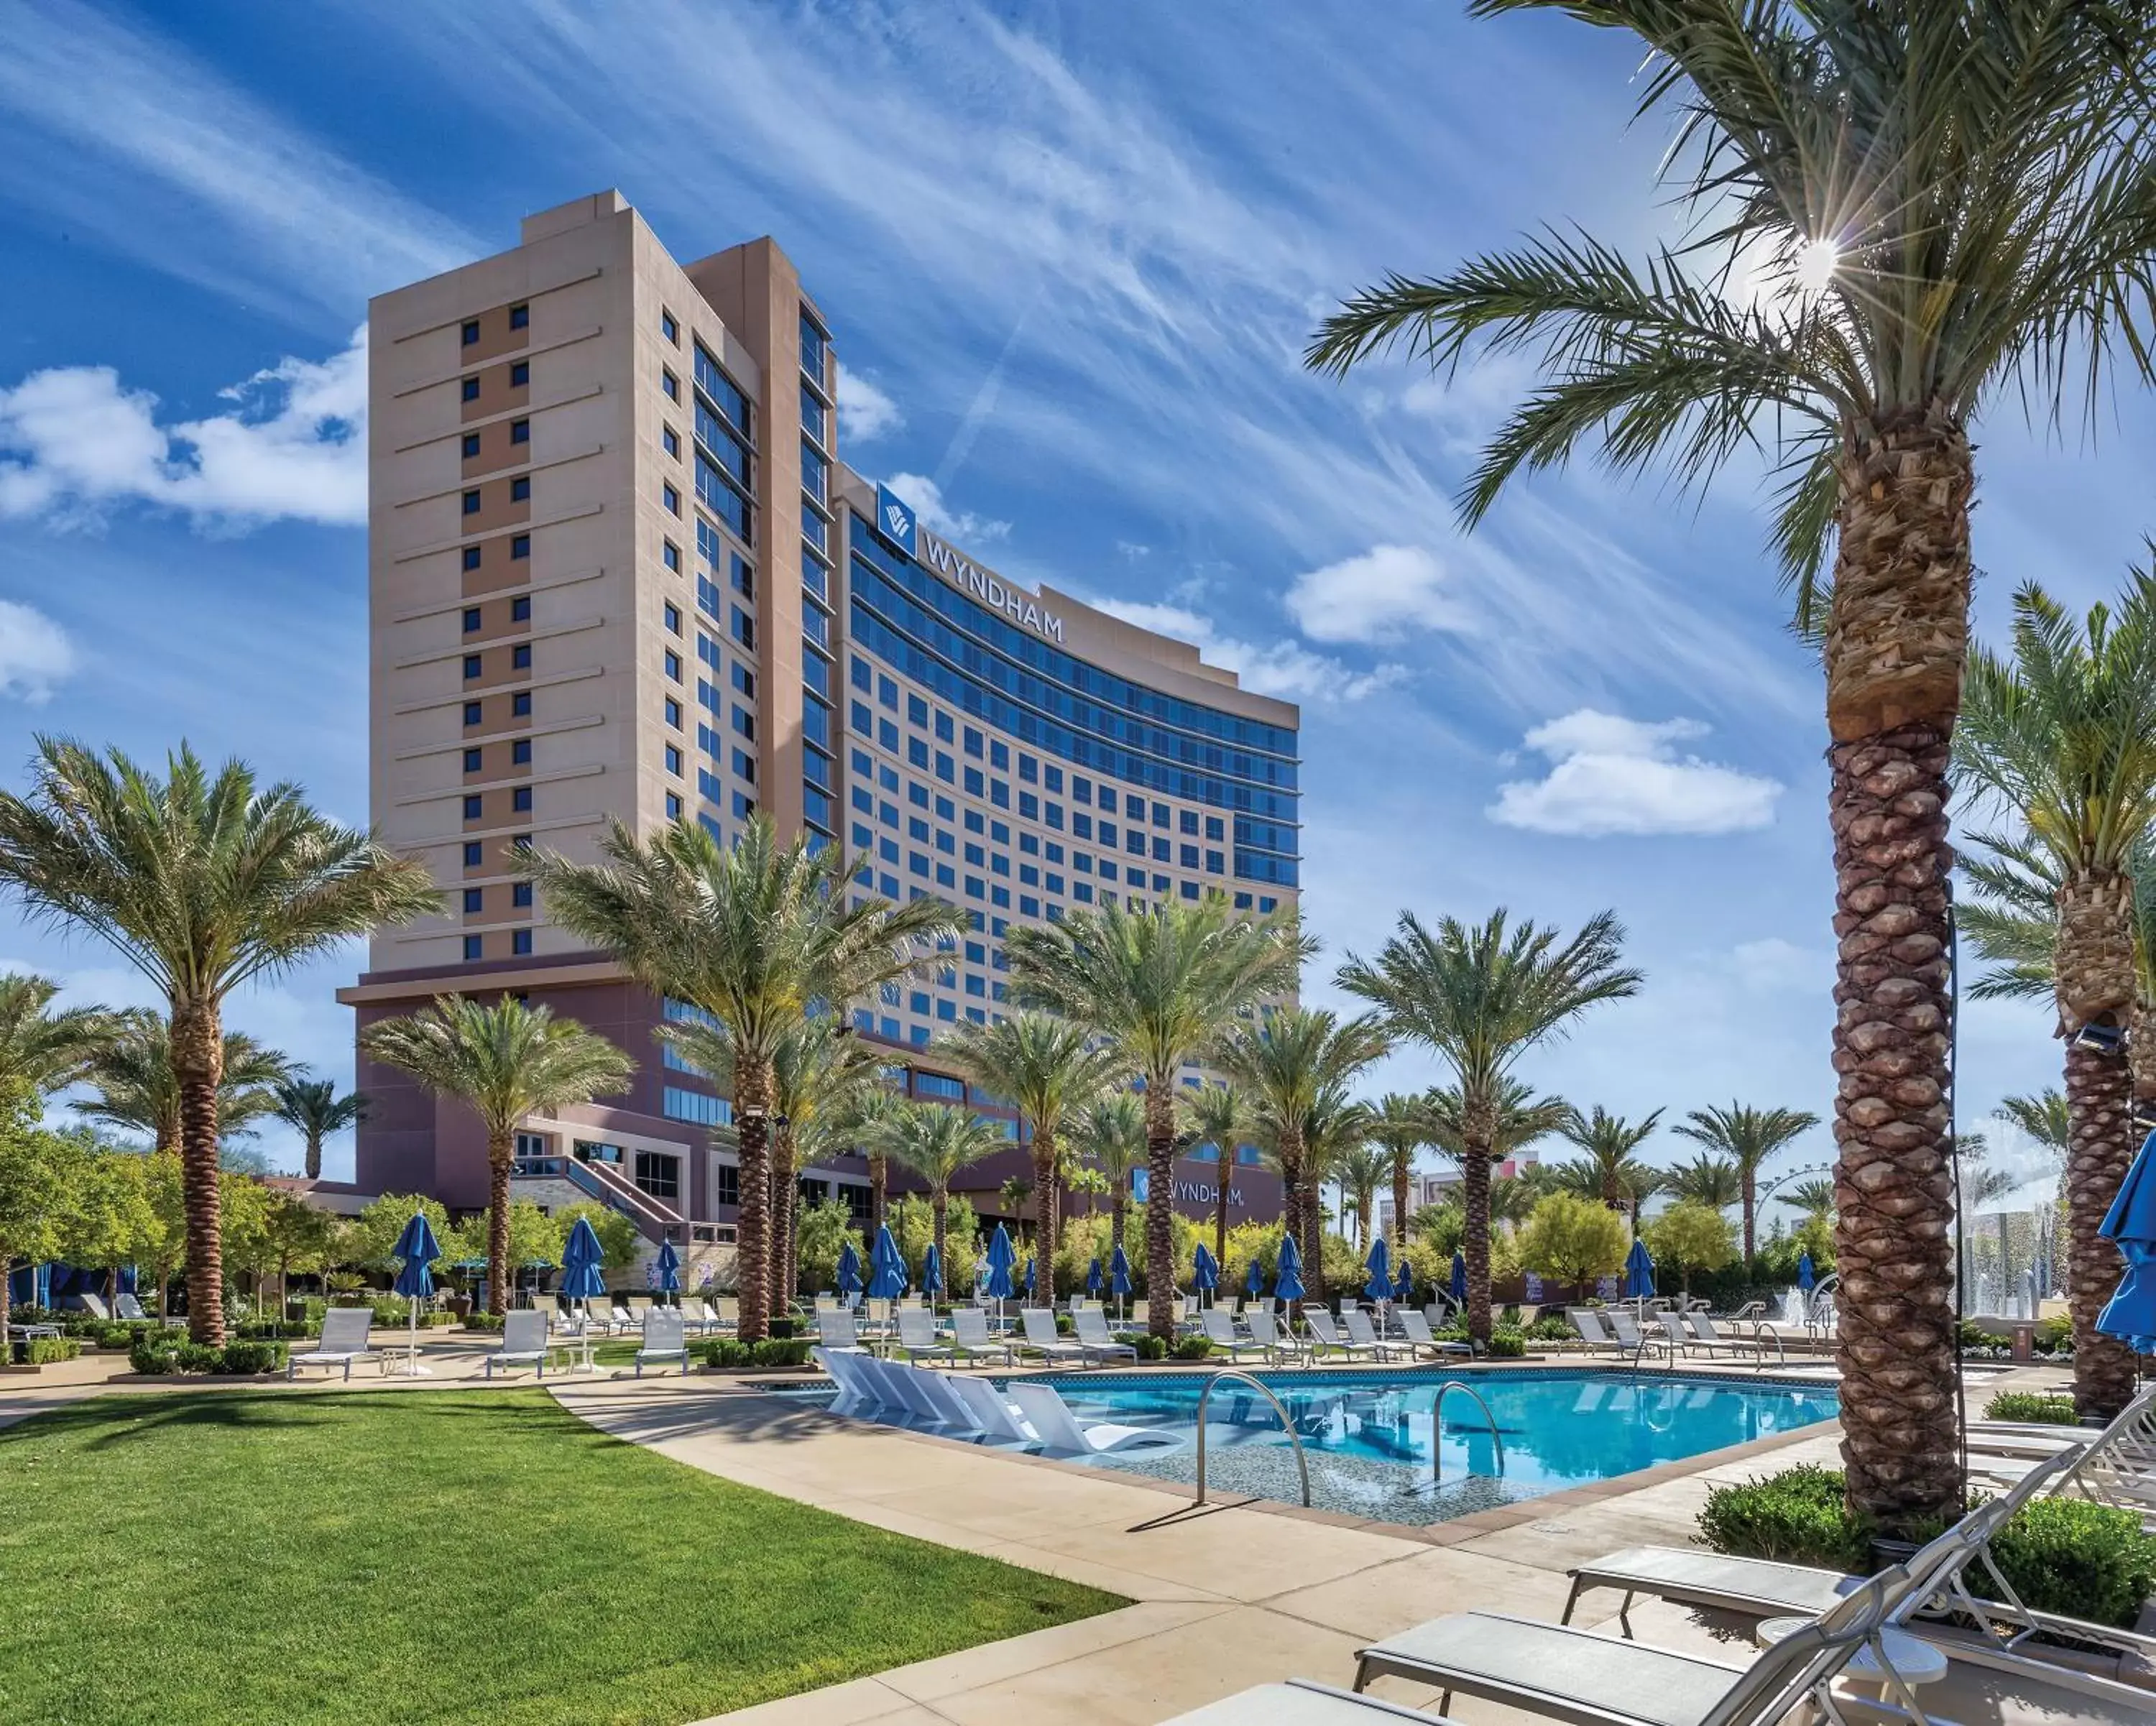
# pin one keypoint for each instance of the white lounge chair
(1363, 1335)
(904, 1380)
(620, 1320)
(845, 1380)
(665, 1339)
(835, 1329)
(1416, 1329)
(1060, 1434)
(343, 1340)
(1040, 1337)
(994, 1417)
(1273, 1336)
(130, 1310)
(725, 1312)
(1219, 1330)
(1093, 1338)
(1299, 1702)
(1708, 1335)
(1593, 1336)
(880, 1382)
(93, 1305)
(523, 1342)
(1325, 1335)
(1630, 1339)
(970, 1339)
(916, 1336)
(1676, 1337)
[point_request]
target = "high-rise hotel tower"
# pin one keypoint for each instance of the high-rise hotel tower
(617, 568)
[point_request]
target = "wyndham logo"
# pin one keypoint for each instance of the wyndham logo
(894, 520)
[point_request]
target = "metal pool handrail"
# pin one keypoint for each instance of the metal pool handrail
(1437, 1429)
(1287, 1426)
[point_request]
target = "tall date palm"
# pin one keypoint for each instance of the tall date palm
(937, 1143)
(1217, 1116)
(42, 1050)
(1747, 1136)
(1401, 1125)
(1111, 1136)
(1161, 986)
(2061, 738)
(1610, 1142)
(203, 882)
(133, 1083)
(1941, 204)
(313, 1110)
(1480, 995)
(758, 934)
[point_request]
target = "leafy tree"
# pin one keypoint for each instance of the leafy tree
(1444, 1227)
(826, 1229)
(1481, 997)
(165, 1184)
(1091, 1237)
(39, 1178)
(111, 1220)
(1690, 1237)
(300, 1238)
(1162, 987)
(532, 1237)
(620, 1241)
(41, 1050)
(312, 1108)
(202, 882)
(1047, 1068)
(912, 1223)
(504, 1062)
(939, 1143)
(1946, 206)
(244, 1206)
(370, 1240)
(1216, 1115)
(1574, 1239)
(1748, 1137)
(759, 935)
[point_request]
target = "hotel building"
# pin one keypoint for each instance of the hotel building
(618, 568)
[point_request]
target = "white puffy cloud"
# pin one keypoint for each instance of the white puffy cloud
(76, 442)
(1376, 596)
(1283, 669)
(865, 412)
(35, 653)
(927, 498)
(1611, 774)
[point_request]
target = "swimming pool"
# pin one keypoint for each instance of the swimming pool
(1366, 1435)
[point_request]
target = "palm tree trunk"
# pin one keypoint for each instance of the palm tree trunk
(2095, 980)
(314, 1156)
(1314, 1240)
(1401, 1174)
(1220, 1216)
(1160, 1205)
(198, 1065)
(1751, 1206)
(1044, 1219)
(1897, 634)
(753, 1228)
(501, 1161)
(879, 1191)
(938, 1200)
(1475, 1200)
(785, 1197)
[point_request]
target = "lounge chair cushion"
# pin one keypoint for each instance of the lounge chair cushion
(1298, 1703)
(1713, 1579)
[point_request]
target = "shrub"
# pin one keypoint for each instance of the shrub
(165, 1352)
(46, 1350)
(1151, 1347)
(2032, 1405)
(727, 1354)
(2053, 1334)
(1797, 1516)
(2079, 1559)
(1192, 1347)
(490, 1321)
(1507, 1344)
(1549, 1330)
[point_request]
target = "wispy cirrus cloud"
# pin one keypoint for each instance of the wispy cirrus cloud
(1284, 668)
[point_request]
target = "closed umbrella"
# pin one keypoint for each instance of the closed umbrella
(670, 1270)
(1807, 1277)
(1002, 1258)
(1093, 1278)
(1204, 1271)
(932, 1273)
(1119, 1278)
(1459, 1284)
(1254, 1280)
(581, 1279)
(849, 1269)
(1404, 1290)
(1639, 1272)
(1287, 1278)
(886, 1267)
(1029, 1278)
(1379, 1287)
(415, 1280)
(2130, 1224)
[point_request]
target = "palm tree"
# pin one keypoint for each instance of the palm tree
(1046, 1068)
(1402, 1125)
(1609, 1141)
(1361, 1169)
(2061, 739)
(1748, 1137)
(202, 882)
(2044, 1118)
(41, 1052)
(1814, 1198)
(311, 1107)
(133, 1085)
(865, 1108)
(1948, 205)
(758, 934)
(1708, 1179)
(1481, 997)
(506, 1062)
(1215, 1116)
(1285, 1063)
(1111, 1136)
(1161, 986)
(936, 1142)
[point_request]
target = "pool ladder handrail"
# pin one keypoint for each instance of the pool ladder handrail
(1287, 1426)
(1437, 1429)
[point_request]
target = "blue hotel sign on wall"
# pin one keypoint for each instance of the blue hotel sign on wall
(896, 523)
(894, 520)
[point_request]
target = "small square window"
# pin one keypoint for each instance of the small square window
(674, 761)
(471, 502)
(673, 713)
(471, 618)
(474, 945)
(471, 332)
(474, 900)
(472, 854)
(472, 712)
(521, 546)
(520, 489)
(520, 374)
(520, 800)
(520, 430)
(474, 807)
(673, 665)
(520, 894)
(471, 761)
(671, 384)
(670, 440)
(668, 328)
(520, 752)
(520, 658)
(674, 806)
(671, 499)
(519, 704)
(672, 613)
(470, 389)
(520, 609)
(669, 554)
(471, 665)
(471, 557)
(519, 316)
(520, 941)
(471, 444)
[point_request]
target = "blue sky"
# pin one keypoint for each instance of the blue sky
(1071, 256)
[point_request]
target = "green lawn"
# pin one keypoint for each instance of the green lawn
(446, 1556)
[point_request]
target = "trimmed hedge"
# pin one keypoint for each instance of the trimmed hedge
(727, 1354)
(1797, 1516)
(163, 1355)
(45, 1350)
(2032, 1405)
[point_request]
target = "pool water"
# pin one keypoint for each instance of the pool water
(1367, 1436)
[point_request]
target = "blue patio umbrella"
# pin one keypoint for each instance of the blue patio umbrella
(1204, 1271)
(1404, 1290)
(2130, 1226)
(581, 1279)
(415, 1280)
(1093, 1278)
(1459, 1284)
(886, 1267)
(932, 1270)
(1380, 1263)
(670, 1270)
(1029, 1276)
(1806, 1276)
(1287, 1279)
(1119, 1272)
(849, 1269)
(1002, 1256)
(1639, 1272)
(1254, 1280)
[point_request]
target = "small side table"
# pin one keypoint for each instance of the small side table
(1916, 1661)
